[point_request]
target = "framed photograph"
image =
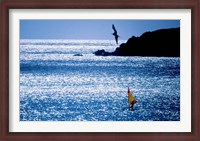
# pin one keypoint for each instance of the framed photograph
(100, 70)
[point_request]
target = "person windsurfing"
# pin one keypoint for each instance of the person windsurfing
(131, 100)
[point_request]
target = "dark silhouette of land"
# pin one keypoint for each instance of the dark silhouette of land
(163, 42)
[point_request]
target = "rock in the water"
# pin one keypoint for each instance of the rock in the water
(78, 54)
(102, 53)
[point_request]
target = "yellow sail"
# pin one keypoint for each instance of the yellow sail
(131, 98)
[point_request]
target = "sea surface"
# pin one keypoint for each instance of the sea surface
(55, 85)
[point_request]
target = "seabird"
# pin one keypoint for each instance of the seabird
(115, 33)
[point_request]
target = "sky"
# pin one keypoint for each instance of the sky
(90, 29)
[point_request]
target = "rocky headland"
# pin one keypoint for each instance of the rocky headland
(163, 42)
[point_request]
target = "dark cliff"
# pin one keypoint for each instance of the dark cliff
(163, 42)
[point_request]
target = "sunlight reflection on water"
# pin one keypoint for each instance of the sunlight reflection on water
(57, 86)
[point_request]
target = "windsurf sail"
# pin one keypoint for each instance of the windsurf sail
(131, 98)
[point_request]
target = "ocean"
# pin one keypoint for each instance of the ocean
(62, 80)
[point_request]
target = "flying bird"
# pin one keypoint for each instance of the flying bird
(115, 33)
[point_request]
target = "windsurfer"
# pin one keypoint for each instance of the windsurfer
(131, 105)
(131, 100)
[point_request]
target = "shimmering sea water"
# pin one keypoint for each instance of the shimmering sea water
(55, 85)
